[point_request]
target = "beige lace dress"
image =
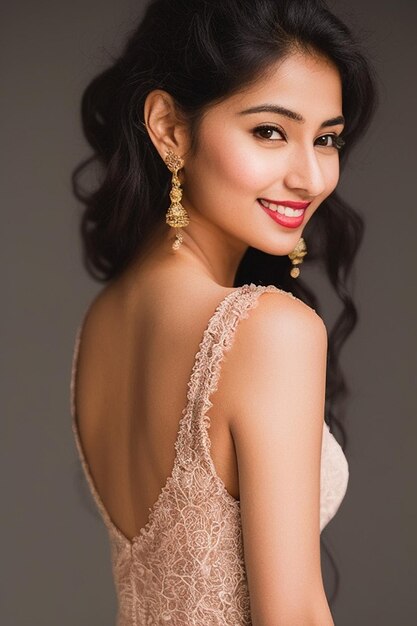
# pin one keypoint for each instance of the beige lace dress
(186, 566)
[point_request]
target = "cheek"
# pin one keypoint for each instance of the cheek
(240, 172)
(238, 167)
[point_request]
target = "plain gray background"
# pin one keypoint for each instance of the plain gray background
(55, 558)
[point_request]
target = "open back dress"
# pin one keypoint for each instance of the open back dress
(186, 567)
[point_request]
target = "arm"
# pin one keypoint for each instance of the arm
(276, 374)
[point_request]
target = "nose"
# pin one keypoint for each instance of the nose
(305, 172)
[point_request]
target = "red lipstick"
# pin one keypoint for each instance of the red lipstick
(289, 221)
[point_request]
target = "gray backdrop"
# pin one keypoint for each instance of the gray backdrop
(55, 559)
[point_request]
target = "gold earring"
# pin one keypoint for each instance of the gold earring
(296, 257)
(176, 216)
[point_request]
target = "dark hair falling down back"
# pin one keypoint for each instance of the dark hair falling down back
(203, 51)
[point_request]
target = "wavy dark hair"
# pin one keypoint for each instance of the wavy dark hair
(201, 52)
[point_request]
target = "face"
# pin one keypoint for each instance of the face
(267, 157)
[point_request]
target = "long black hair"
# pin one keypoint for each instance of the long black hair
(200, 52)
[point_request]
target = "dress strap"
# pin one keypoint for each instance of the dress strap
(193, 442)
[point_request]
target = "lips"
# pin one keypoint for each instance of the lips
(283, 214)
(289, 208)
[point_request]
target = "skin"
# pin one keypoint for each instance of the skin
(235, 164)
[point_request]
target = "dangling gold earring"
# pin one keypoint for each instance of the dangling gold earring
(296, 257)
(176, 216)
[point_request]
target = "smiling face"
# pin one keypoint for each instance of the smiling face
(270, 145)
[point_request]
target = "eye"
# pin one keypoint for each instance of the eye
(330, 141)
(269, 132)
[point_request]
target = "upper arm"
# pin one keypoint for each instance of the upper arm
(277, 374)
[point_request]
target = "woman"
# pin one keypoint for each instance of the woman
(199, 378)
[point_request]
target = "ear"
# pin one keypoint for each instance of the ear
(165, 128)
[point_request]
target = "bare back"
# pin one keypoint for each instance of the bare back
(137, 349)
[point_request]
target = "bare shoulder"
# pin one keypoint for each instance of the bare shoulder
(280, 337)
(95, 318)
(281, 317)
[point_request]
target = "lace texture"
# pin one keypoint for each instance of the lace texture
(186, 566)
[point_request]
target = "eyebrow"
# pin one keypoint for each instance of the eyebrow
(292, 115)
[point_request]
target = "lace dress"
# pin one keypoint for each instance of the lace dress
(186, 566)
